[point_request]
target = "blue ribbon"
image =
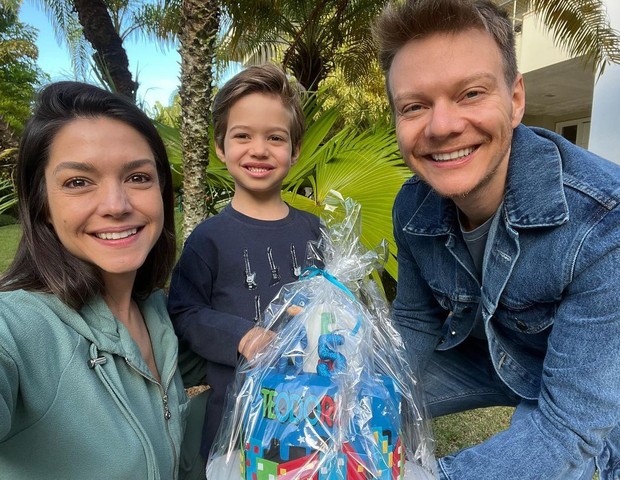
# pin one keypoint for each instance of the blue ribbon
(310, 272)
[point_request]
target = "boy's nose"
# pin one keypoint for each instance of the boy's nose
(259, 148)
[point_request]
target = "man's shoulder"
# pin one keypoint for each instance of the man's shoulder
(414, 189)
(585, 171)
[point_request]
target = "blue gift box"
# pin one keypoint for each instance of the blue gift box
(300, 426)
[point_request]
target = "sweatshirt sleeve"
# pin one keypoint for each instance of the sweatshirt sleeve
(8, 392)
(212, 334)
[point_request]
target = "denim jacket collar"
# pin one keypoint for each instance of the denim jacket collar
(534, 195)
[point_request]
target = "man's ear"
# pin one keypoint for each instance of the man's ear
(518, 101)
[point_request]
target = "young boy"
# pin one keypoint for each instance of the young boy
(234, 263)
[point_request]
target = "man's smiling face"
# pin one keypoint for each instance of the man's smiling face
(455, 113)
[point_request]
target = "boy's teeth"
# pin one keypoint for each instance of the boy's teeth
(442, 157)
(257, 169)
(116, 235)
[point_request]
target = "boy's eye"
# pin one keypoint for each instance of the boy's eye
(277, 138)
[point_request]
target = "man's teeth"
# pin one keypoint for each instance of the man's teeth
(116, 235)
(442, 157)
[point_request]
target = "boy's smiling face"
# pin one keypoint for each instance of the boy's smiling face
(257, 148)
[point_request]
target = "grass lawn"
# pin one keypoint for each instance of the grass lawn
(9, 238)
(465, 429)
(452, 432)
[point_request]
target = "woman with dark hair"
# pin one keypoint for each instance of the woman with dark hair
(89, 384)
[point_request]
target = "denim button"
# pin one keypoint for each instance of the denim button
(521, 325)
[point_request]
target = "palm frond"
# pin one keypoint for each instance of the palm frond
(365, 167)
(582, 27)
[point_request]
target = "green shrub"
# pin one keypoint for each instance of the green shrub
(7, 220)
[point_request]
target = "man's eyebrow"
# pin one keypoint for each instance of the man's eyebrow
(474, 77)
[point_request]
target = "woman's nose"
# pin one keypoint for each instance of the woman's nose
(114, 200)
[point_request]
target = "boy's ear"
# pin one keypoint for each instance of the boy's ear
(220, 153)
(295, 155)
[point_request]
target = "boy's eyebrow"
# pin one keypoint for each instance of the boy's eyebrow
(242, 127)
(89, 167)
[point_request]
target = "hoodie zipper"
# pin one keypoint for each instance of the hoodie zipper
(167, 414)
(124, 408)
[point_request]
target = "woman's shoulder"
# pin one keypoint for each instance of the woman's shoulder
(31, 318)
(22, 302)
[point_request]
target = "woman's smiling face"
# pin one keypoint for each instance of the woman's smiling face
(103, 192)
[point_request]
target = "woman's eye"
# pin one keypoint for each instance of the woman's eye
(75, 183)
(139, 178)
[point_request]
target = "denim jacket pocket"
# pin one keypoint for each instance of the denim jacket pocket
(530, 319)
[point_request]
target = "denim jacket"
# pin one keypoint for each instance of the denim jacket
(550, 303)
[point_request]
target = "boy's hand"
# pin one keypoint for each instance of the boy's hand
(254, 342)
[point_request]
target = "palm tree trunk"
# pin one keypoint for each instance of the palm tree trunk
(110, 54)
(199, 26)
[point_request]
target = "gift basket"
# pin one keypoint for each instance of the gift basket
(332, 397)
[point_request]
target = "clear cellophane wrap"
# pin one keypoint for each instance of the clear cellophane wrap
(333, 395)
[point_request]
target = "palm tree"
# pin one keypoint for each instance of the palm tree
(94, 32)
(308, 38)
(110, 55)
(199, 28)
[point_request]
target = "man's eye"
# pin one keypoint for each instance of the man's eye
(407, 109)
(472, 94)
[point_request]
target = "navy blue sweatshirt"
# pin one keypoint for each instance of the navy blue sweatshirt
(231, 267)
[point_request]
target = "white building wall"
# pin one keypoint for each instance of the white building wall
(535, 46)
(605, 126)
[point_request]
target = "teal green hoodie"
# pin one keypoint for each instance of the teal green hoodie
(77, 399)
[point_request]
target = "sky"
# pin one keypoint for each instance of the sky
(157, 70)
